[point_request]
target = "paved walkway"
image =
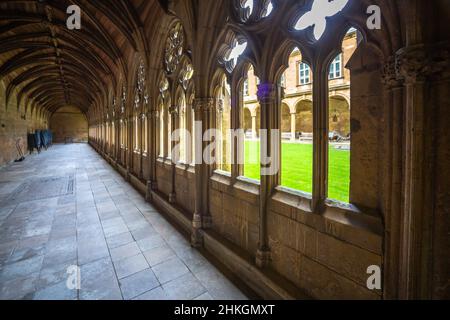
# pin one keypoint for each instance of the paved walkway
(67, 207)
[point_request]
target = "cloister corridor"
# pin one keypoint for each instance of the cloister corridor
(67, 207)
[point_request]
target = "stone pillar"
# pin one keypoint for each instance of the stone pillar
(153, 147)
(141, 145)
(320, 139)
(201, 219)
(254, 135)
(393, 176)
(174, 121)
(420, 66)
(129, 149)
(293, 121)
(269, 98)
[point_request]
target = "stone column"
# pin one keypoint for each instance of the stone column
(150, 154)
(269, 98)
(393, 176)
(174, 121)
(421, 67)
(153, 148)
(141, 145)
(129, 151)
(320, 139)
(201, 219)
(254, 135)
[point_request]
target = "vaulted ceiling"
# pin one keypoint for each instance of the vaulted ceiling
(50, 66)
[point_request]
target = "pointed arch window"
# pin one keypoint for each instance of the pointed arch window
(296, 125)
(339, 129)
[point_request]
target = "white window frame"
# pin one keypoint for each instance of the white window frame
(304, 73)
(336, 68)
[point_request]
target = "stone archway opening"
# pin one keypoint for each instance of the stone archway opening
(69, 125)
(304, 118)
(339, 116)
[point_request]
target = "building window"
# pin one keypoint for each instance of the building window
(283, 80)
(336, 67)
(304, 73)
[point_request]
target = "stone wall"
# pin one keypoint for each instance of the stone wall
(15, 124)
(235, 212)
(326, 257)
(69, 122)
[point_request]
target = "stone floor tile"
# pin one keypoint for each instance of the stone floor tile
(170, 270)
(138, 283)
(119, 240)
(53, 274)
(219, 287)
(155, 294)
(21, 269)
(58, 291)
(129, 250)
(18, 288)
(128, 266)
(204, 297)
(99, 281)
(158, 255)
(186, 287)
(92, 251)
(151, 242)
(115, 230)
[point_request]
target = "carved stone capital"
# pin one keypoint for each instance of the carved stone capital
(203, 104)
(173, 110)
(421, 62)
(389, 74)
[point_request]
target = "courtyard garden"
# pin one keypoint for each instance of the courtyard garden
(297, 168)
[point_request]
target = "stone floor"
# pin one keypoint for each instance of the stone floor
(67, 208)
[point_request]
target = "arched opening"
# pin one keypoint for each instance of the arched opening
(339, 116)
(339, 134)
(304, 120)
(285, 122)
(297, 125)
(182, 127)
(223, 124)
(249, 89)
(69, 124)
(247, 126)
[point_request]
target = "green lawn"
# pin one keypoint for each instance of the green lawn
(296, 168)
